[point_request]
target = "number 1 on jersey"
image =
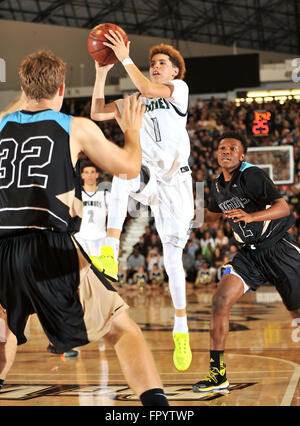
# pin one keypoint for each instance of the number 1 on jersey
(156, 130)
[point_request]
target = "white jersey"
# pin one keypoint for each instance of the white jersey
(164, 139)
(95, 208)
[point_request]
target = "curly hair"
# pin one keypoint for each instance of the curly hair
(174, 55)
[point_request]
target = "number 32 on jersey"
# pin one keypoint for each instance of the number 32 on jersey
(35, 153)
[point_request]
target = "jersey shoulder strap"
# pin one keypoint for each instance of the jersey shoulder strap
(26, 117)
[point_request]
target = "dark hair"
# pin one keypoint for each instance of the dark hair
(88, 164)
(234, 135)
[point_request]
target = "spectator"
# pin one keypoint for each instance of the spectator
(140, 279)
(221, 240)
(199, 259)
(156, 276)
(155, 242)
(153, 257)
(217, 257)
(205, 276)
(142, 246)
(135, 260)
(147, 235)
(207, 244)
(232, 251)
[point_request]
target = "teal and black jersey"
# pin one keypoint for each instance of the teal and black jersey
(251, 190)
(39, 187)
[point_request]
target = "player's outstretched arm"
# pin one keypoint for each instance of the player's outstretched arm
(146, 87)
(87, 137)
(101, 111)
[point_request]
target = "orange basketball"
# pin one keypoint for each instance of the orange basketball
(102, 54)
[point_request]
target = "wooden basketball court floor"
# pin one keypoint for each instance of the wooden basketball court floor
(262, 357)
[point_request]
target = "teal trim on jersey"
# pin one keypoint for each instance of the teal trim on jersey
(245, 166)
(21, 117)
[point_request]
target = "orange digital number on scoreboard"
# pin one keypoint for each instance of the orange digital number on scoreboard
(260, 127)
(262, 115)
(261, 123)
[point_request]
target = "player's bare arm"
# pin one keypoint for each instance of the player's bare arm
(15, 105)
(87, 137)
(101, 111)
(211, 217)
(279, 208)
(149, 89)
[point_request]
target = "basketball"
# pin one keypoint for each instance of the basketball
(99, 52)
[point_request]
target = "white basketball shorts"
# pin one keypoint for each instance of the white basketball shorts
(171, 204)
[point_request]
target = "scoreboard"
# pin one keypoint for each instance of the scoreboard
(260, 123)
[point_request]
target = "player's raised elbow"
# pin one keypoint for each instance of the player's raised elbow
(93, 116)
(96, 116)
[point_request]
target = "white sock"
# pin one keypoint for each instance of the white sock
(115, 244)
(180, 324)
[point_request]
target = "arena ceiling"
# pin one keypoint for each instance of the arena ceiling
(257, 24)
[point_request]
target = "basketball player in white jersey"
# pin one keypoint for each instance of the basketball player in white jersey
(91, 235)
(165, 180)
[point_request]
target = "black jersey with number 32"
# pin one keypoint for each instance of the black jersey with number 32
(39, 187)
(249, 189)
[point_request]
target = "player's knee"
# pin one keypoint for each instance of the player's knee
(172, 269)
(172, 258)
(221, 304)
(122, 325)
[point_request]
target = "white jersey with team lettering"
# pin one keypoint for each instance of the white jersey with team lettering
(93, 226)
(164, 138)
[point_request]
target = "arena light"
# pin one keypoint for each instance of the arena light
(261, 96)
(280, 92)
(264, 93)
(257, 94)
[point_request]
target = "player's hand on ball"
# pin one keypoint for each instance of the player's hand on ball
(117, 44)
(102, 69)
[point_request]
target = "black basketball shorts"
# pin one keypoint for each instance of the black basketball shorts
(47, 273)
(278, 265)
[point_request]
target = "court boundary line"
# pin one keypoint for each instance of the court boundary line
(291, 387)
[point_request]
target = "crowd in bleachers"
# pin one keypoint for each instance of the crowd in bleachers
(208, 247)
